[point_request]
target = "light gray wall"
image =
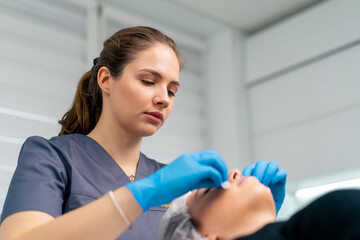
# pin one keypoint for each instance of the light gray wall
(304, 90)
(227, 99)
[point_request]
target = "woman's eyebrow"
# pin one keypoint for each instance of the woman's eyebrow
(155, 73)
(175, 83)
(158, 75)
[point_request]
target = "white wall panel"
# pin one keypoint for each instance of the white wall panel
(42, 80)
(19, 128)
(56, 12)
(315, 148)
(39, 56)
(5, 178)
(51, 104)
(193, 62)
(323, 28)
(189, 103)
(40, 32)
(9, 154)
(326, 86)
(189, 80)
(226, 98)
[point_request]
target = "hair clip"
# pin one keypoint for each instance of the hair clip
(95, 61)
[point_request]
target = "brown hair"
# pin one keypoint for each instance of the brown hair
(119, 50)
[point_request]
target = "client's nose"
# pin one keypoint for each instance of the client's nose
(234, 174)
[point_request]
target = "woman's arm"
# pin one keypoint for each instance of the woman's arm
(97, 220)
(101, 220)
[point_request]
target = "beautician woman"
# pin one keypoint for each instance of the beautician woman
(72, 186)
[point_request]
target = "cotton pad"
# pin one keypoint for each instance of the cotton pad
(225, 185)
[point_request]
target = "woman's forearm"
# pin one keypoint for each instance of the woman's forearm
(97, 220)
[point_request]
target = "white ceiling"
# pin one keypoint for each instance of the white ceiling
(246, 15)
(203, 18)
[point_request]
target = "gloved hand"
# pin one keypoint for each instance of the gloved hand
(270, 175)
(190, 171)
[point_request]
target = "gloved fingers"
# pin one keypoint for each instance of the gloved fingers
(248, 171)
(277, 206)
(216, 162)
(210, 178)
(277, 187)
(259, 170)
(280, 177)
(271, 169)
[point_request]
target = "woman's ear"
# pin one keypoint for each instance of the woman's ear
(103, 78)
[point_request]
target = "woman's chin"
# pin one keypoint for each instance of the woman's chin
(148, 132)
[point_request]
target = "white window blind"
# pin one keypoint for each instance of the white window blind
(42, 57)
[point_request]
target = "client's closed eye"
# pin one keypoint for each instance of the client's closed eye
(201, 192)
(206, 191)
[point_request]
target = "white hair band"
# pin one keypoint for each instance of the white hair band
(122, 214)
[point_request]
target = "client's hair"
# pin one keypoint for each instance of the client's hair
(176, 223)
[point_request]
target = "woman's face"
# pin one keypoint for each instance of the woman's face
(244, 207)
(142, 98)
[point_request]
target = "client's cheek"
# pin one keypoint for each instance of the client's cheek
(200, 221)
(196, 211)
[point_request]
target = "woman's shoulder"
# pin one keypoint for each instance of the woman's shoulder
(53, 141)
(57, 144)
(57, 149)
(74, 137)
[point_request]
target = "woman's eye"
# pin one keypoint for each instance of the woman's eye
(171, 93)
(147, 82)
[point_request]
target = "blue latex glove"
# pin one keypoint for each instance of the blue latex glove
(270, 175)
(190, 171)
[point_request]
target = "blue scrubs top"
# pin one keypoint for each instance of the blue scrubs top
(66, 172)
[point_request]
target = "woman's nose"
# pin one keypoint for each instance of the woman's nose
(162, 98)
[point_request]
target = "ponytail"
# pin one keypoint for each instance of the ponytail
(86, 107)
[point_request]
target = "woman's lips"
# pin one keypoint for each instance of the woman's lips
(155, 117)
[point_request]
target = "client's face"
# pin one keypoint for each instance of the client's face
(246, 206)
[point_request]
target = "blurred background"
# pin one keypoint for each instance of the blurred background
(263, 80)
